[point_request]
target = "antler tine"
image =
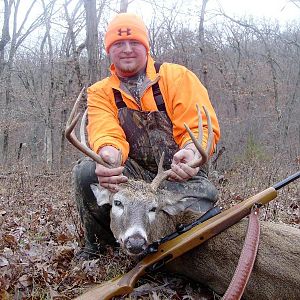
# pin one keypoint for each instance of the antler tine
(198, 142)
(210, 137)
(70, 135)
(162, 175)
(82, 128)
(200, 124)
(204, 153)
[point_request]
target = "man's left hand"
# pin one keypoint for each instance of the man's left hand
(181, 171)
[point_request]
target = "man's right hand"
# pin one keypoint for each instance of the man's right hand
(109, 178)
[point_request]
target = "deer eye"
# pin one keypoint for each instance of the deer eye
(117, 203)
(153, 209)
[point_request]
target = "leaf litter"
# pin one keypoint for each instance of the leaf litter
(40, 233)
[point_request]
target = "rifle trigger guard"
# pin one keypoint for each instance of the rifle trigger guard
(256, 207)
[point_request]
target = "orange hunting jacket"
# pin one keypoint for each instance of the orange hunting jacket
(181, 90)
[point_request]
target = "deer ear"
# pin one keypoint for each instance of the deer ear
(101, 194)
(191, 204)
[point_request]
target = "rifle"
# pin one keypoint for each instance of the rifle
(176, 244)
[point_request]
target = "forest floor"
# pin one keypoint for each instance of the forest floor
(40, 232)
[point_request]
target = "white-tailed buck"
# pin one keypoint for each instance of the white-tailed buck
(142, 213)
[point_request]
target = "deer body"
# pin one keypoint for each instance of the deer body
(276, 271)
(141, 213)
(275, 274)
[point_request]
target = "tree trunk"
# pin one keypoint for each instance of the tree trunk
(123, 6)
(63, 117)
(33, 145)
(5, 38)
(202, 43)
(48, 86)
(48, 146)
(92, 43)
(75, 50)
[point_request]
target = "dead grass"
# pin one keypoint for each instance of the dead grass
(40, 232)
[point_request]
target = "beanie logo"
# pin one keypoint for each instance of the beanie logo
(125, 31)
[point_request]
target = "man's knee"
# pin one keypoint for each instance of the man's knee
(205, 188)
(83, 176)
(95, 219)
(84, 173)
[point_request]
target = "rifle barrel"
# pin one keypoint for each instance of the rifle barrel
(286, 181)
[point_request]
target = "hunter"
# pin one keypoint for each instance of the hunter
(134, 116)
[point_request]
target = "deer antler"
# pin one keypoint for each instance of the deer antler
(70, 134)
(163, 175)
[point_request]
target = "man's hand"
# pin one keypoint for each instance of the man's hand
(109, 178)
(181, 171)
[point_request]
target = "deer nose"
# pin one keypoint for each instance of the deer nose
(135, 244)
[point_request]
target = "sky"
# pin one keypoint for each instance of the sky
(281, 10)
(188, 10)
(278, 9)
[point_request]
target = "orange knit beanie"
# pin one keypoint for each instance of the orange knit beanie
(126, 26)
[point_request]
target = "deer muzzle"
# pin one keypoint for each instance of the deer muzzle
(135, 244)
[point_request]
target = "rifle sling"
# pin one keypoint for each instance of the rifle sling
(246, 261)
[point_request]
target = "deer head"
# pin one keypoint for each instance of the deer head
(140, 212)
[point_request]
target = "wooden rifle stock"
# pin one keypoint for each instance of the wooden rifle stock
(188, 240)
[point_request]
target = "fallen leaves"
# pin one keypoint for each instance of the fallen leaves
(3, 261)
(41, 232)
(25, 280)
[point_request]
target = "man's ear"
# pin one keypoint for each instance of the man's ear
(101, 194)
(174, 208)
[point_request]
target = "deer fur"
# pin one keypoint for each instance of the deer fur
(276, 271)
(136, 210)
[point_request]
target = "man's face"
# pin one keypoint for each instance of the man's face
(128, 56)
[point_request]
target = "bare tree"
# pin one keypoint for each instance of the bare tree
(5, 38)
(48, 83)
(71, 39)
(202, 41)
(92, 41)
(123, 6)
(16, 40)
(201, 22)
(72, 70)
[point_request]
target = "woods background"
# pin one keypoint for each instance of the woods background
(50, 49)
(250, 67)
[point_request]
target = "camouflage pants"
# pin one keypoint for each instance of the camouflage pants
(96, 220)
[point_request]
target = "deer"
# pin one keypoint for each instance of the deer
(142, 213)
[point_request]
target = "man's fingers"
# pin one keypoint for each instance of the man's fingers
(188, 170)
(176, 169)
(111, 187)
(180, 171)
(112, 179)
(106, 172)
(183, 171)
(174, 177)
